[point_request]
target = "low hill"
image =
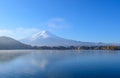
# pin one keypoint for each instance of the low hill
(10, 43)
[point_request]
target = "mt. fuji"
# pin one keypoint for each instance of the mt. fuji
(46, 38)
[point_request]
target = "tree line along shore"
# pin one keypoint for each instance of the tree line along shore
(78, 48)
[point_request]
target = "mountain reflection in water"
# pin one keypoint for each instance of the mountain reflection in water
(59, 64)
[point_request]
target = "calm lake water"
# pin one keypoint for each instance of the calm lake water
(59, 64)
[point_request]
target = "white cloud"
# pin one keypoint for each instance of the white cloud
(5, 32)
(56, 23)
(26, 31)
(18, 33)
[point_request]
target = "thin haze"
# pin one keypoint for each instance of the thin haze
(83, 20)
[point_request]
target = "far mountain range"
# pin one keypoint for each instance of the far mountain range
(44, 38)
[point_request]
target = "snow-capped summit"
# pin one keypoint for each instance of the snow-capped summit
(42, 35)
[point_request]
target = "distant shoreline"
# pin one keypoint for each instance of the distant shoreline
(66, 48)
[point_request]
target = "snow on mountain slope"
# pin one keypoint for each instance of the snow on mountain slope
(45, 38)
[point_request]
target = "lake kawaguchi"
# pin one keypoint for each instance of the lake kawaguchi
(59, 64)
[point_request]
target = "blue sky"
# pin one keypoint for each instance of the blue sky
(83, 20)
